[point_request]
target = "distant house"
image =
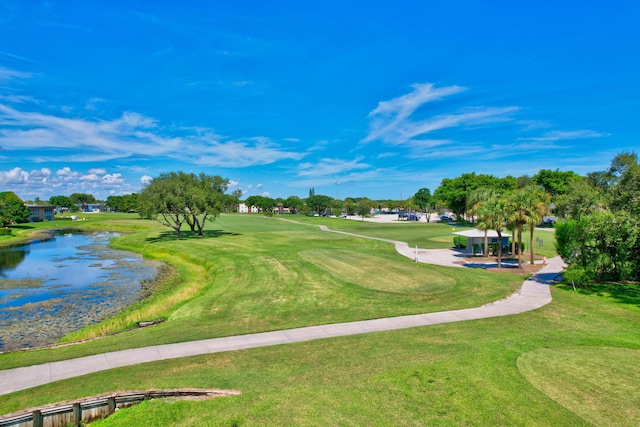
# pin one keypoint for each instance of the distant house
(242, 208)
(92, 207)
(39, 213)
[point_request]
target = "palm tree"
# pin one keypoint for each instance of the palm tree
(537, 202)
(475, 201)
(494, 213)
(519, 216)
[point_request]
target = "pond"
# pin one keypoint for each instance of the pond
(56, 286)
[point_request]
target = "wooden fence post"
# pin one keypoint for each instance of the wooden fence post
(37, 418)
(77, 414)
(111, 405)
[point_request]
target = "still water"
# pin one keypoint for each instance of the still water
(53, 287)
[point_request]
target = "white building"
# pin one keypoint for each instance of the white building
(242, 208)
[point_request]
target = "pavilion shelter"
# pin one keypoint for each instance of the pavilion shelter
(475, 239)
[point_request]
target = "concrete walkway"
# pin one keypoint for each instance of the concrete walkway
(533, 294)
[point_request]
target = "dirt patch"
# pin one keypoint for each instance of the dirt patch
(525, 269)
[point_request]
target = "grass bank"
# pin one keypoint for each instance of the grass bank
(519, 370)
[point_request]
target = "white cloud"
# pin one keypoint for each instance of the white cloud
(391, 121)
(557, 135)
(330, 167)
(9, 74)
(97, 171)
(13, 176)
(131, 135)
(146, 179)
(241, 153)
(44, 183)
(390, 115)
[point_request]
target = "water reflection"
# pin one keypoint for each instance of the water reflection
(53, 287)
(9, 259)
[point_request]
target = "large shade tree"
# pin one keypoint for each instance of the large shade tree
(12, 209)
(175, 198)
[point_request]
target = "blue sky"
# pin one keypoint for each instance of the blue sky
(352, 98)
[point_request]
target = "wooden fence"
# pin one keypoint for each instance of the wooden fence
(92, 408)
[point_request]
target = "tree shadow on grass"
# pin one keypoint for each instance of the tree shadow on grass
(21, 226)
(166, 236)
(624, 293)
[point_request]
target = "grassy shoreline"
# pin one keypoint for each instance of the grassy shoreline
(288, 290)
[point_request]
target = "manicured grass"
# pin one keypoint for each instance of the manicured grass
(251, 274)
(433, 235)
(522, 370)
(593, 382)
(468, 373)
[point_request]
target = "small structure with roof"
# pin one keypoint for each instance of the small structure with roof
(475, 238)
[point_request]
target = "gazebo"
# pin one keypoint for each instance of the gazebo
(476, 237)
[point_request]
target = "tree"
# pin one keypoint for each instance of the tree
(294, 203)
(62, 202)
(626, 193)
(82, 199)
(579, 199)
(476, 200)
(319, 203)
(364, 208)
(178, 197)
(12, 209)
(205, 198)
(494, 212)
(555, 182)
(126, 203)
(600, 246)
(266, 204)
(424, 200)
(454, 192)
(535, 204)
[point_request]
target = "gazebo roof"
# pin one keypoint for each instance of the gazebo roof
(474, 232)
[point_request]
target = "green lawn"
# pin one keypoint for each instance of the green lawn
(251, 274)
(569, 363)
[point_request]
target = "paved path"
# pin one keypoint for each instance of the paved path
(533, 294)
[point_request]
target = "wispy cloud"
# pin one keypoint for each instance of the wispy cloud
(566, 135)
(330, 167)
(240, 153)
(21, 58)
(131, 135)
(9, 74)
(392, 123)
(391, 115)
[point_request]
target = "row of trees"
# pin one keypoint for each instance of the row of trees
(515, 210)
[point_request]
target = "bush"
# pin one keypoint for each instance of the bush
(577, 275)
(460, 242)
(5, 231)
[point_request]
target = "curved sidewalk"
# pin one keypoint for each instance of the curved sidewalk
(533, 294)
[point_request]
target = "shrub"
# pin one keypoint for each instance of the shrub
(460, 242)
(5, 231)
(578, 275)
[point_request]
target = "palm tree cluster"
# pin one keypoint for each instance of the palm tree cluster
(514, 210)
